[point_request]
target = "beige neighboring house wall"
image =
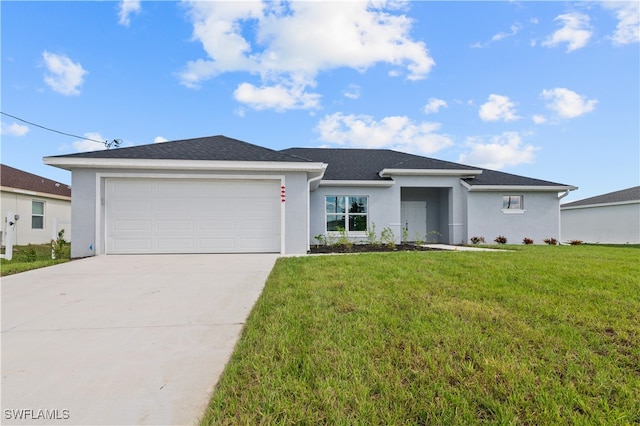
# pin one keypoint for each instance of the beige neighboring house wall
(19, 191)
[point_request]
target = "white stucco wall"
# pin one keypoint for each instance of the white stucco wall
(85, 242)
(539, 220)
(383, 213)
(384, 205)
(57, 216)
(607, 224)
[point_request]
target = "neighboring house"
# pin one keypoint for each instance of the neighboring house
(216, 194)
(43, 206)
(612, 218)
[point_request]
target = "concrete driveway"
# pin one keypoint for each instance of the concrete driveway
(123, 339)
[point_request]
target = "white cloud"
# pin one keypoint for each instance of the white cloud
(498, 108)
(13, 129)
(160, 139)
(575, 31)
(396, 132)
(64, 76)
(628, 15)
(502, 151)
(434, 105)
(567, 103)
(86, 145)
(539, 119)
(276, 97)
(515, 29)
(292, 42)
(127, 8)
(352, 92)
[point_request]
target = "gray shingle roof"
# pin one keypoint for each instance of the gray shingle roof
(493, 177)
(343, 164)
(365, 164)
(215, 148)
(15, 178)
(629, 194)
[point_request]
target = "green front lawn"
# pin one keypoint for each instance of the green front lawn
(539, 335)
(29, 257)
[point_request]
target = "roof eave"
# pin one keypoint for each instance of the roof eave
(374, 183)
(528, 188)
(463, 173)
(69, 163)
(40, 194)
(588, 206)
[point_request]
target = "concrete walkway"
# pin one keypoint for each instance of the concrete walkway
(123, 339)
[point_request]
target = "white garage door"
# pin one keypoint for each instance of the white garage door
(192, 216)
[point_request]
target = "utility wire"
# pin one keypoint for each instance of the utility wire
(115, 142)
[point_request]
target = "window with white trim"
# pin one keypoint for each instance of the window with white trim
(346, 212)
(37, 214)
(513, 202)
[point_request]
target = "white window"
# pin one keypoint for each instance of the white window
(346, 212)
(37, 214)
(512, 203)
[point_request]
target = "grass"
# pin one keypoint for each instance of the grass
(26, 258)
(539, 335)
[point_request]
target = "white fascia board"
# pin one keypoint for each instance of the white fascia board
(588, 206)
(378, 183)
(156, 164)
(518, 188)
(34, 193)
(428, 172)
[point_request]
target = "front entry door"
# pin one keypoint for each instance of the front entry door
(414, 219)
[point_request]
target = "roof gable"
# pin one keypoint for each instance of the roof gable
(624, 195)
(11, 177)
(212, 148)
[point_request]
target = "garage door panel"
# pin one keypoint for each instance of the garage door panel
(176, 225)
(131, 244)
(192, 216)
(131, 225)
(124, 205)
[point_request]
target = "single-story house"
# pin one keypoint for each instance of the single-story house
(42, 205)
(612, 218)
(217, 194)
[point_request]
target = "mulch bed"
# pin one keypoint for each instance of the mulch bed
(364, 248)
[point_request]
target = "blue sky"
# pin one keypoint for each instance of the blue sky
(549, 90)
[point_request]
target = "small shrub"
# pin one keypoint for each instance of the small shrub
(526, 240)
(576, 242)
(551, 241)
(322, 240)
(59, 247)
(501, 239)
(343, 239)
(388, 238)
(30, 254)
(476, 240)
(372, 238)
(405, 235)
(418, 240)
(435, 234)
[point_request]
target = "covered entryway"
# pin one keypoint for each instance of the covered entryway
(148, 215)
(425, 214)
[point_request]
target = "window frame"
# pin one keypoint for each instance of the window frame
(348, 216)
(38, 215)
(513, 210)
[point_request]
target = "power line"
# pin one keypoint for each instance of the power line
(116, 142)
